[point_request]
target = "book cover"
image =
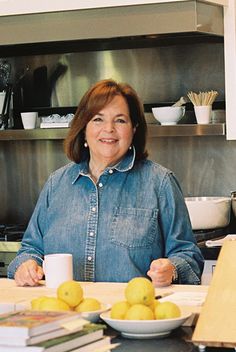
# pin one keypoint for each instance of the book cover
(90, 332)
(29, 323)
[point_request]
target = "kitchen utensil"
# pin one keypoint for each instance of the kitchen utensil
(181, 101)
(168, 115)
(202, 98)
(5, 69)
(4, 116)
(208, 212)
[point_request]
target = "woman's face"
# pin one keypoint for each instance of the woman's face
(110, 133)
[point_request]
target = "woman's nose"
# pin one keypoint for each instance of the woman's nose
(109, 126)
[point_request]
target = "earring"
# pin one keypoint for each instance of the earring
(85, 144)
(130, 147)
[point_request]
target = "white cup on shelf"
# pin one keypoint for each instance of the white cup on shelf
(203, 114)
(57, 268)
(29, 119)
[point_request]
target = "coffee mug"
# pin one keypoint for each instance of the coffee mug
(57, 268)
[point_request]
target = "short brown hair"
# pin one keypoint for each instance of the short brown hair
(93, 101)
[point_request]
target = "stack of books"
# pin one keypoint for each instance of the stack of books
(34, 331)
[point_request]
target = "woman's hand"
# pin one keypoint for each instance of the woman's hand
(29, 273)
(161, 272)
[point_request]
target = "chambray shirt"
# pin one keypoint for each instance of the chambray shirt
(114, 229)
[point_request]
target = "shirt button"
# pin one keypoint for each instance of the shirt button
(111, 171)
(93, 209)
(91, 234)
(100, 184)
(89, 259)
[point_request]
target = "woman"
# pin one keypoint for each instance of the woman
(119, 214)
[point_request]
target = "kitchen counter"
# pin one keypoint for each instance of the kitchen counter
(13, 297)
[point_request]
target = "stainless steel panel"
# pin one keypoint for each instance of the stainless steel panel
(112, 22)
(159, 74)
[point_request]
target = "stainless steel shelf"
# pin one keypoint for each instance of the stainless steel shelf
(216, 129)
(36, 134)
(154, 130)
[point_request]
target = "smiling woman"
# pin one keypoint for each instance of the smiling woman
(120, 215)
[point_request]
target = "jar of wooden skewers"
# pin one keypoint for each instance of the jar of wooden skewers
(202, 102)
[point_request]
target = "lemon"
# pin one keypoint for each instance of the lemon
(35, 303)
(53, 304)
(70, 292)
(140, 290)
(119, 309)
(154, 304)
(139, 312)
(88, 305)
(167, 310)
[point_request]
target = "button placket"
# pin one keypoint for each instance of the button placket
(91, 238)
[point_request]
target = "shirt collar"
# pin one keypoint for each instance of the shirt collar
(124, 165)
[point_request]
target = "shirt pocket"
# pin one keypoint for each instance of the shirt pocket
(134, 227)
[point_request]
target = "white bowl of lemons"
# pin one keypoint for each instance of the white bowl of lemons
(140, 315)
(144, 329)
(70, 297)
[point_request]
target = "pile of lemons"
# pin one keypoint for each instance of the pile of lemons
(70, 296)
(140, 303)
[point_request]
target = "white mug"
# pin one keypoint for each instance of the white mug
(29, 119)
(57, 268)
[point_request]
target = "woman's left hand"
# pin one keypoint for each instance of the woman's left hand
(161, 272)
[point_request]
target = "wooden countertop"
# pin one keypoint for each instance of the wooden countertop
(13, 297)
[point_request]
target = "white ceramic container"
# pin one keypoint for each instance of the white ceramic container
(209, 212)
(168, 115)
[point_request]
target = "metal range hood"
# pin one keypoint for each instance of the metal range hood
(115, 22)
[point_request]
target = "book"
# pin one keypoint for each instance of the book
(101, 345)
(25, 341)
(27, 323)
(90, 333)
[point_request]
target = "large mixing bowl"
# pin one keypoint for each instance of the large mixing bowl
(208, 212)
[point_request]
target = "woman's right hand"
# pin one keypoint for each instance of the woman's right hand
(28, 273)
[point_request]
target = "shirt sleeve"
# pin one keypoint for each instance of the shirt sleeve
(32, 242)
(180, 244)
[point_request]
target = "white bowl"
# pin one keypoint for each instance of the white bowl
(144, 329)
(168, 115)
(208, 212)
(93, 316)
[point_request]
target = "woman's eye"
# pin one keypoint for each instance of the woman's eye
(120, 120)
(97, 119)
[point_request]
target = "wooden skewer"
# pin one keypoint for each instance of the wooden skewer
(202, 98)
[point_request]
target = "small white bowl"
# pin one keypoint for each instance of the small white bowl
(168, 115)
(93, 316)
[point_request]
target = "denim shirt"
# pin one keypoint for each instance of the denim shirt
(114, 229)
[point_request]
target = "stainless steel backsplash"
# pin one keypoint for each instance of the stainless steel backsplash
(159, 74)
(203, 165)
